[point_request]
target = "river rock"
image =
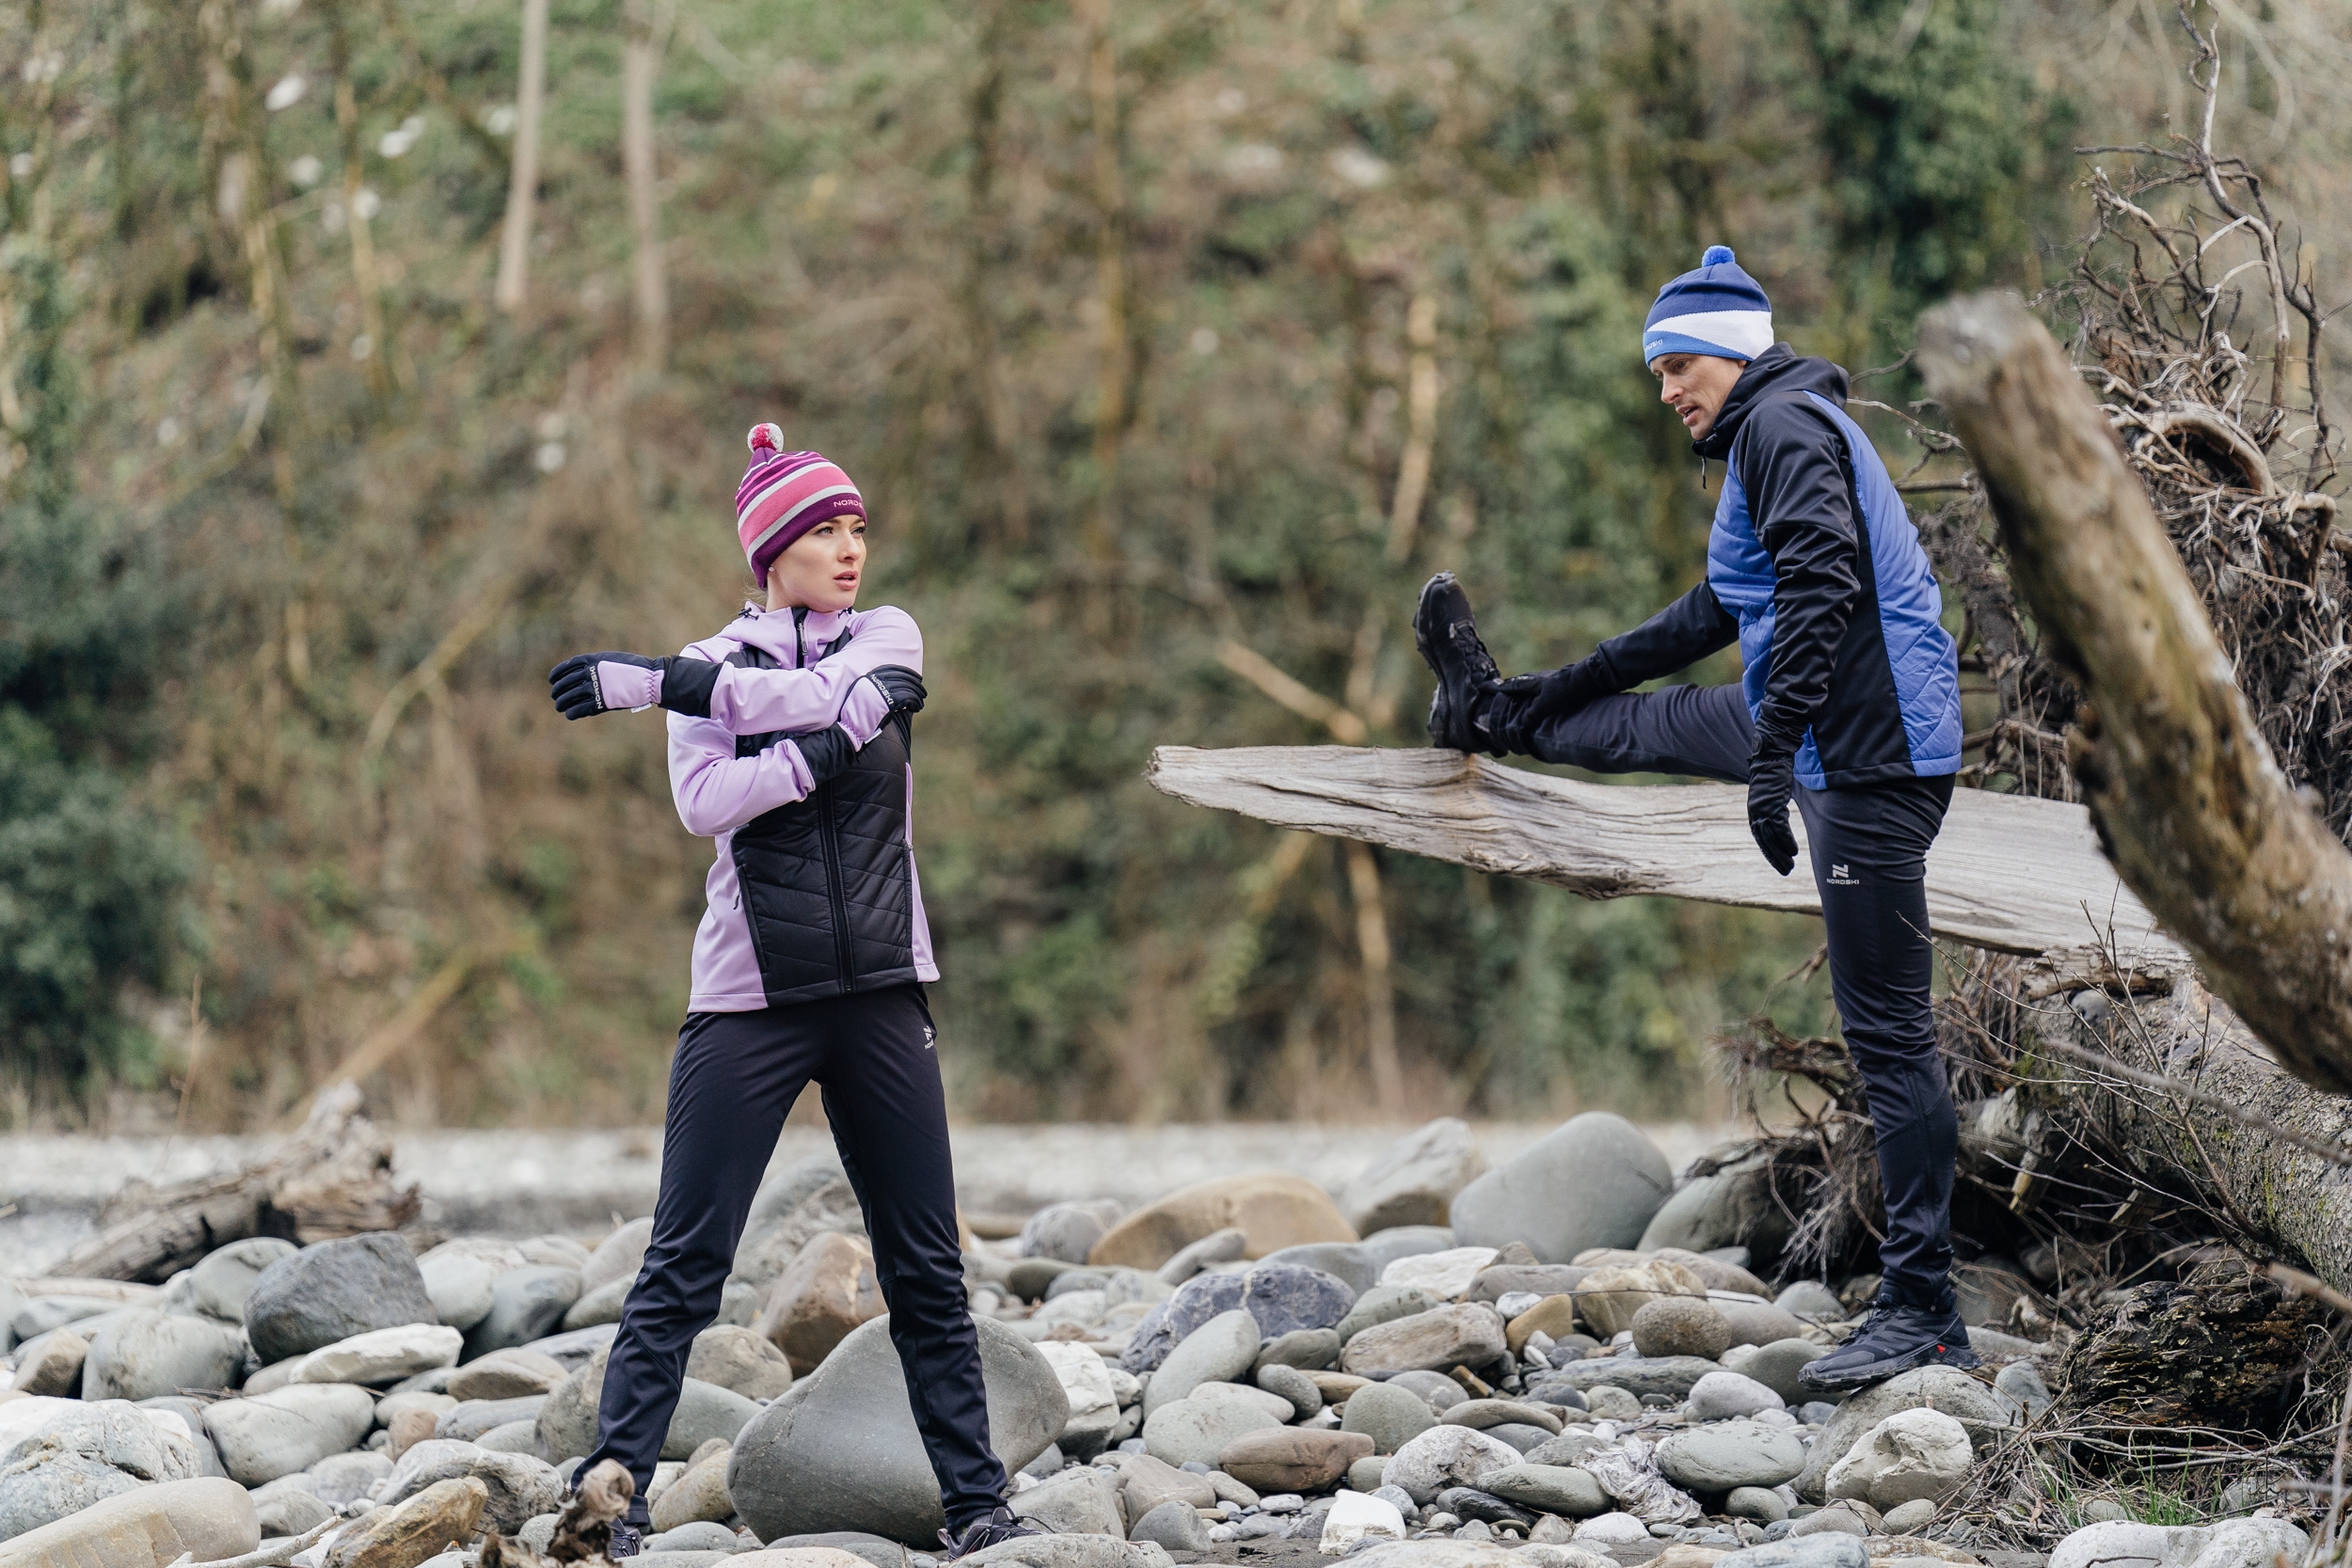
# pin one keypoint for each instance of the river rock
(1438, 1391)
(1390, 1416)
(1081, 1500)
(1444, 1275)
(1826, 1549)
(1219, 1350)
(446, 1512)
(839, 1449)
(1413, 1180)
(1680, 1326)
(50, 1366)
(1309, 1349)
(1670, 1377)
(219, 1284)
(332, 1291)
(1986, 1415)
(739, 1360)
(1383, 1303)
(460, 1285)
(828, 1290)
(1596, 1180)
(1560, 1489)
(512, 1373)
(429, 1463)
(1174, 1526)
(2253, 1542)
(1610, 1297)
(1286, 1298)
(1720, 1396)
(145, 1354)
(80, 1455)
(1067, 1230)
(1356, 1517)
(1552, 1316)
(1467, 1334)
(209, 1519)
(191, 1413)
(468, 1420)
(1196, 1430)
(526, 1304)
(1723, 1454)
(1446, 1456)
(619, 1257)
(345, 1478)
(1293, 1459)
(290, 1429)
(1910, 1456)
(1776, 1365)
(1169, 1322)
(1294, 1386)
(1273, 1209)
(1086, 1383)
(1352, 1263)
(383, 1355)
(284, 1509)
(603, 1305)
(2022, 1383)
(1753, 1323)
(522, 1486)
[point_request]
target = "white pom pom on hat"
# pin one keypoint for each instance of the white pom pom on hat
(767, 436)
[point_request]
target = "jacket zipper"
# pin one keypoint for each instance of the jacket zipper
(827, 832)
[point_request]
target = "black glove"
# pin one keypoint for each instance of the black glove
(1524, 703)
(1772, 779)
(587, 683)
(827, 752)
(902, 687)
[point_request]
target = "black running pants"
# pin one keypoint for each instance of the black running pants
(735, 1077)
(1868, 846)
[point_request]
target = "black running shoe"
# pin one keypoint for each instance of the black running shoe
(989, 1531)
(628, 1541)
(1447, 636)
(1893, 1339)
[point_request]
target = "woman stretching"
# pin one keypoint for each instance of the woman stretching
(790, 740)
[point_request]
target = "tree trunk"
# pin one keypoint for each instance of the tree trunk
(2008, 874)
(641, 53)
(522, 189)
(333, 1178)
(2182, 787)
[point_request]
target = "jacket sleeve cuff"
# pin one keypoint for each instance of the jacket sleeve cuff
(687, 684)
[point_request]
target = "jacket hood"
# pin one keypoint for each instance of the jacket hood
(774, 633)
(1777, 369)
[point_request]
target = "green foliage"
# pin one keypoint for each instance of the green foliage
(885, 227)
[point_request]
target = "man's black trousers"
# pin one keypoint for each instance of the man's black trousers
(1869, 849)
(735, 1076)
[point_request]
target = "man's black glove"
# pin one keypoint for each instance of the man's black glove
(1524, 703)
(1772, 779)
(827, 752)
(902, 687)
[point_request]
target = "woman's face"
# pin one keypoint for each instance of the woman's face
(821, 568)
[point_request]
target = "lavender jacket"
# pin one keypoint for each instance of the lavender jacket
(812, 893)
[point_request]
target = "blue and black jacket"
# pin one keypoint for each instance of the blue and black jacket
(1815, 570)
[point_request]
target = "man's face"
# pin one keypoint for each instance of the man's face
(1694, 387)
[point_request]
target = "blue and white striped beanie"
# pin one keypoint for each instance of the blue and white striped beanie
(1718, 310)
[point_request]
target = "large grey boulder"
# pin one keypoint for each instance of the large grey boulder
(332, 1291)
(526, 1304)
(1720, 1455)
(1986, 1414)
(839, 1449)
(218, 1287)
(1218, 1350)
(1414, 1179)
(146, 1353)
(1595, 1182)
(1464, 1334)
(81, 1456)
(1734, 1207)
(208, 1519)
(288, 1429)
(566, 1419)
(1081, 1500)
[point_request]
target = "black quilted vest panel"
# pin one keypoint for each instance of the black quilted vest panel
(827, 883)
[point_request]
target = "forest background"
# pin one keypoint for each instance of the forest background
(1173, 342)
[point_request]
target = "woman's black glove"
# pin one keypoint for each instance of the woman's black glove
(902, 687)
(1772, 779)
(827, 752)
(1522, 704)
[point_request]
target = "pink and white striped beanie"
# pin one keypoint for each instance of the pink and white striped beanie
(784, 495)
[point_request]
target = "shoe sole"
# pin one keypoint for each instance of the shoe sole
(1423, 633)
(1958, 1359)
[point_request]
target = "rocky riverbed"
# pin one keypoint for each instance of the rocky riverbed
(1445, 1354)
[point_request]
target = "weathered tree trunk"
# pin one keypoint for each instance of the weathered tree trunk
(522, 189)
(2008, 874)
(333, 1178)
(2182, 787)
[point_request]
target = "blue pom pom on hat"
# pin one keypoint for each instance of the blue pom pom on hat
(1716, 310)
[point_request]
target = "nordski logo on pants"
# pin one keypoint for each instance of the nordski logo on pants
(1840, 877)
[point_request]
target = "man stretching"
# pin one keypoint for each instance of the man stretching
(1851, 703)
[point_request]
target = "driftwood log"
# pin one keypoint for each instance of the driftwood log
(332, 1177)
(2008, 874)
(2183, 791)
